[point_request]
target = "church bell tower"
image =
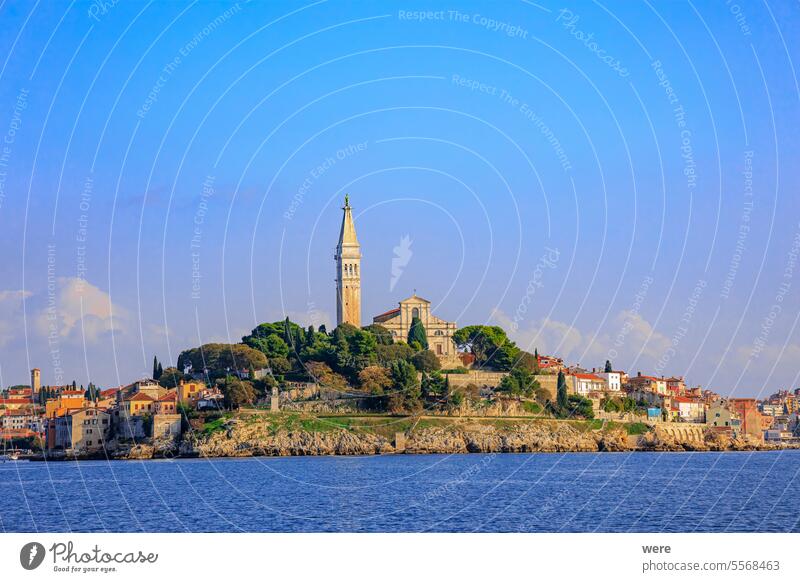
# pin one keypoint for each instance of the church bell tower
(348, 271)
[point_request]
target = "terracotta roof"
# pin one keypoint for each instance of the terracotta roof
(390, 312)
(684, 399)
(16, 412)
(168, 396)
(20, 401)
(588, 377)
(139, 396)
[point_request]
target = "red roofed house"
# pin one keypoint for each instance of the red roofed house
(689, 409)
(648, 384)
(584, 384)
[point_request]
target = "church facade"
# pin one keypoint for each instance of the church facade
(439, 332)
(398, 321)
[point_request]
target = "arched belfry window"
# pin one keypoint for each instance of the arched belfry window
(415, 312)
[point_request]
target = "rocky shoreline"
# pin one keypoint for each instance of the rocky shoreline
(255, 440)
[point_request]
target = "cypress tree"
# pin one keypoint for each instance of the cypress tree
(608, 366)
(416, 333)
(561, 392)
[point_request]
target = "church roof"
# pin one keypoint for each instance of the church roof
(347, 235)
(394, 311)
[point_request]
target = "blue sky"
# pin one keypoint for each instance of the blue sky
(605, 180)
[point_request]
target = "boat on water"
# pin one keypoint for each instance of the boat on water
(10, 456)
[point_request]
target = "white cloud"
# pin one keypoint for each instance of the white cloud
(11, 314)
(626, 335)
(79, 307)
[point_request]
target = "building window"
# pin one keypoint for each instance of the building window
(415, 312)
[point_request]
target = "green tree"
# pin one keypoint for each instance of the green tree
(578, 406)
(375, 379)
(405, 384)
(237, 392)
(485, 343)
(219, 359)
(609, 368)
(561, 391)
(519, 382)
(417, 333)
(171, 377)
(321, 373)
(155, 368)
(394, 353)
(434, 386)
(426, 361)
(527, 361)
(382, 335)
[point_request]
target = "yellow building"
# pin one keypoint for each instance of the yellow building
(138, 404)
(66, 400)
(189, 392)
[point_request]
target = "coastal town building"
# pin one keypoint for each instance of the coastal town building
(688, 409)
(676, 386)
(190, 392)
(550, 363)
(747, 409)
(612, 380)
(80, 430)
(585, 384)
(648, 384)
(66, 400)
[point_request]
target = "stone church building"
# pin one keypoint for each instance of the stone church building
(439, 332)
(397, 321)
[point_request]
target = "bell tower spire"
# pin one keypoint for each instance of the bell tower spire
(348, 270)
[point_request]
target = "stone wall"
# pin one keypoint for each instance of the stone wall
(550, 383)
(477, 377)
(166, 425)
